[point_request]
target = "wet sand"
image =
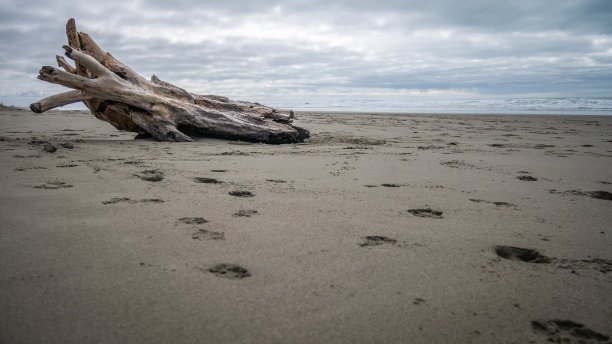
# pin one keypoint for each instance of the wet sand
(381, 228)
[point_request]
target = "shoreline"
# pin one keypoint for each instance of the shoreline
(362, 113)
(379, 112)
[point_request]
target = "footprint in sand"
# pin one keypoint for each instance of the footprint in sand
(388, 185)
(521, 254)
(204, 234)
(245, 213)
(116, 200)
(532, 256)
(376, 240)
(193, 220)
(241, 193)
(497, 204)
(603, 195)
(229, 271)
(426, 212)
(567, 331)
(279, 181)
(207, 180)
(53, 185)
(150, 175)
(201, 234)
(49, 148)
(131, 201)
(602, 265)
(502, 204)
(151, 200)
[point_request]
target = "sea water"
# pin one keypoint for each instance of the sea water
(554, 106)
(559, 106)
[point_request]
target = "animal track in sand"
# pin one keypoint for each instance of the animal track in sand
(241, 193)
(426, 212)
(193, 220)
(207, 180)
(567, 331)
(521, 254)
(387, 185)
(527, 178)
(229, 271)
(150, 175)
(376, 240)
(204, 234)
(245, 213)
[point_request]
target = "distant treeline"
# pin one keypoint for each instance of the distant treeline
(9, 107)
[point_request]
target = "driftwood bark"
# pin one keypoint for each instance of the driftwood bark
(114, 93)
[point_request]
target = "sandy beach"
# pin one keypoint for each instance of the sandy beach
(381, 228)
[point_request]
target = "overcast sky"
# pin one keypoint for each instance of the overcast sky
(257, 49)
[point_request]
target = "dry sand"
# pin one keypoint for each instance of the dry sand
(379, 229)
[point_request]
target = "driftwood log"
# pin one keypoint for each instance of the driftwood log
(116, 94)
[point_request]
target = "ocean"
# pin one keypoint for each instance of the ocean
(555, 106)
(526, 106)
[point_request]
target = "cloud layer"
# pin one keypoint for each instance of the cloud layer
(261, 49)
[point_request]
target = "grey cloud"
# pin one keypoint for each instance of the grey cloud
(482, 46)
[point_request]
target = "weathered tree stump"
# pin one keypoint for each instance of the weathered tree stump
(116, 94)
